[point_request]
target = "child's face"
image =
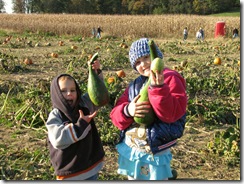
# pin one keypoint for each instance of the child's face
(68, 89)
(143, 65)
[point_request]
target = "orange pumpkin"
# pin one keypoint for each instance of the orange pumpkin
(217, 61)
(61, 43)
(54, 55)
(28, 61)
(110, 80)
(74, 47)
(121, 73)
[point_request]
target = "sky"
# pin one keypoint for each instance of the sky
(8, 6)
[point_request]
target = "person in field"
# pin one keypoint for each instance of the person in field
(235, 33)
(99, 30)
(185, 34)
(76, 150)
(144, 151)
(202, 33)
(198, 35)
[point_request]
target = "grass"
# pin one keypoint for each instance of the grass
(233, 13)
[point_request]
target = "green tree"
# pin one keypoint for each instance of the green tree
(113, 7)
(162, 7)
(212, 6)
(19, 6)
(143, 7)
(2, 4)
(55, 6)
(180, 6)
(78, 6)
(138, 7)
(124, 7)
(201, 7)
(37, 6)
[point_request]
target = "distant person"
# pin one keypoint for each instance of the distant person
(99, 30)
(198, 35)
(94, 32)
(235, 33)
(202, 33)
(185, 34)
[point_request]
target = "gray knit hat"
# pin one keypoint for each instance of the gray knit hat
(139, 49)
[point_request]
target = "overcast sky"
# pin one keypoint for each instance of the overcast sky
(8, 6)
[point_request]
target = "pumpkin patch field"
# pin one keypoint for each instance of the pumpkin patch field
(29, 60)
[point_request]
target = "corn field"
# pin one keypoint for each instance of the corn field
(124, 26)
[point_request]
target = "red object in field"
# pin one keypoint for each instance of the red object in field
(219, 29)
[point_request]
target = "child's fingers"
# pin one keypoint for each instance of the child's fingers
(136, 98)
(93, 115)
(81, 113)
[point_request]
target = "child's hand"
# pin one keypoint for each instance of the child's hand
(138, 109)
(87, 118)
(157, 78)
(95, 65)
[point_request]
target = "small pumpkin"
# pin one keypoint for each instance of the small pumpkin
(28, 61)
(61, 43)
(110, 80)
(217, 61)
(74, 47)
(121, 73)
(54, 55)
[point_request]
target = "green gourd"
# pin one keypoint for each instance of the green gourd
(96, 88)
(153, 50)
(157, 65)
(150, 116)
(156, 62)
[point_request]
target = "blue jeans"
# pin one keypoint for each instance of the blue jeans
(94, 177)
(98, 35)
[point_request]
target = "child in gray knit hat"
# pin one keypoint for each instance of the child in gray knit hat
(144, 151)
(139, 49)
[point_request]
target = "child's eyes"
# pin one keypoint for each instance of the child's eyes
(138, 63)
(142, 59)
(65, 91)
(147, 56)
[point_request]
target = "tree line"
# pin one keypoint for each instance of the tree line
(130, 7)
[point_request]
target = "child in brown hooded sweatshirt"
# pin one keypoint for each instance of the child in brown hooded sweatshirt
(75, 147)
